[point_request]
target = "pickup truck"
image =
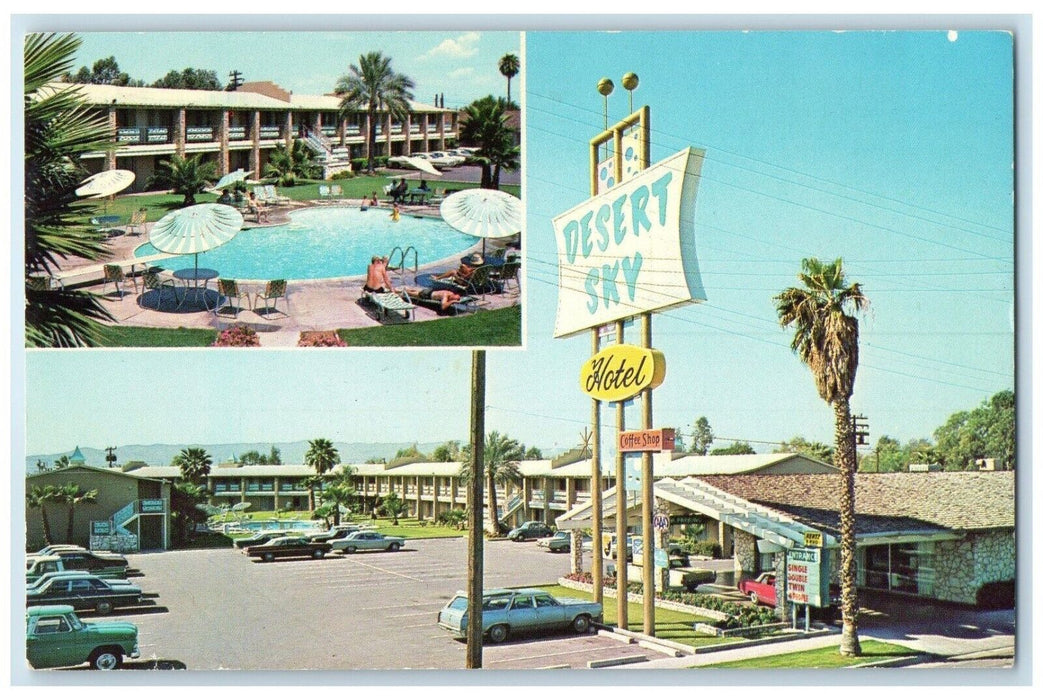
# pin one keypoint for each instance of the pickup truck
(55, 636)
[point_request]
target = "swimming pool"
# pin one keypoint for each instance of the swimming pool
(324, 242)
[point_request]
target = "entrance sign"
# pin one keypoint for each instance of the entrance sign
(807, 577)
(631, 249)
(621, 371)
(656, 440)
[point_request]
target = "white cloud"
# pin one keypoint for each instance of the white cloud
(466, 72)
(463, 46)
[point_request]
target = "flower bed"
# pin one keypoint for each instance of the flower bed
(320, 339)
(728, 616)
(237, 336)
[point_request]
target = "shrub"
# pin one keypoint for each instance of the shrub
(997, 595)
(237, 336)
(343, 175)
(320, 339)
(359, 164)
(706, 549)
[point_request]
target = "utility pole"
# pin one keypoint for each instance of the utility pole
(236, 79)
(475, 510)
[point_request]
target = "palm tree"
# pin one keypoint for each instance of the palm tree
(59, 130)
(185, 499)
(289, 164)
(72, 495)
(826, 340)
(375, 86)
(340, 493)
(194, 463)
(509, 68)
(62, 462)
(39, 497)
(184, 176)
(502, 454)
(393, 506)
(321, 456)
(485, 124)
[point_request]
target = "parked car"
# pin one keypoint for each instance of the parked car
(561, 541)
(38, 566)
(293, 546)
(530, 530)
(760, 589)
(335, 533)
(441, 159)
(506, 611)
(83, 591)
(400, 162)
(105, 564)
(365, 540)
(55, 548)
(55, 636)
(260, 538)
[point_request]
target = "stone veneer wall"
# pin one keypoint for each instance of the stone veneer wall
(962, 566)
(745, 553)
(781, 608)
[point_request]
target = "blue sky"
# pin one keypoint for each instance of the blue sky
(892, 150)
(462, 64)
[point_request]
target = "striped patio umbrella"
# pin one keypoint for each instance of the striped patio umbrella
(196, 229)
(483, 213)
(105, 183)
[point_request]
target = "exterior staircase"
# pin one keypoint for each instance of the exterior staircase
(114, 534)
(333, 158)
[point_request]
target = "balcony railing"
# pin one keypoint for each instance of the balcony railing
(143, 134)
(270, 132)
(237, 133)
(199, 133)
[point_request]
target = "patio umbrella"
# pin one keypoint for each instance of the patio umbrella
(230, 179)
(196, 229)
(105, 183)
(483, 213)
(423, 166)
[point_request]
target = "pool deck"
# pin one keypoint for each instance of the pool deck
(315, 305)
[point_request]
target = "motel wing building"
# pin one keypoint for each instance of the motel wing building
(240, 129)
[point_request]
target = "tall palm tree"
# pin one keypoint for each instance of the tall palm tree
(826, 340)
(375, 86)
(73, 495)
(485, 124)
(59, 130)
(321, 456)
(509, 68)
(194, 463)
(502, 454)
(340, 493)
(39, 497)
(184, 176)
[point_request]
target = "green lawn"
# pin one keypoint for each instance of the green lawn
(137, 337)
(495, 327)
(826, 657)
(669, 624)
(158, 205)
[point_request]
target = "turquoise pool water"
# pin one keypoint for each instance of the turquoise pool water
(324, 242)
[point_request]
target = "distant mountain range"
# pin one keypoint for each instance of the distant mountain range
(289, 452)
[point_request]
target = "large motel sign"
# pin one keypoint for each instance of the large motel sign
(627, 251)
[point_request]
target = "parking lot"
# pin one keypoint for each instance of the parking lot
(219, 609)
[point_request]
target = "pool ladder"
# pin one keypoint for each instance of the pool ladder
(402, 267)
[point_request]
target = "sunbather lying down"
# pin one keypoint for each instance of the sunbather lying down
(445, 297)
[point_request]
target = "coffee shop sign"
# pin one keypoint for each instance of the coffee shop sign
(620, 372)
(631, 249)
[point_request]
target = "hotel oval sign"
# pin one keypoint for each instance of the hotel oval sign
(621, 371)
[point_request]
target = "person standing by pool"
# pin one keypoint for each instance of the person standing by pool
(396, 214)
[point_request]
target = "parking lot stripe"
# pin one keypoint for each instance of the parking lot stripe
(389, 571)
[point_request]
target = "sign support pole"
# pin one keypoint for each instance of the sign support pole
(648, 559)
(597, 563)
(475, 511)
(622, 612)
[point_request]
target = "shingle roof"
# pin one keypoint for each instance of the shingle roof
(885, 502)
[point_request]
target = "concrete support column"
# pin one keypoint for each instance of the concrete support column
(275, 491)
(419, 498)
(255, 145)
(745, 554)
(387, 136)
(288, 130)
(526, 497)
(782, 610)
(546, 501)
(408, 126)
(441, 131)
(180, 131)
(342, 131)
(242, 489)
(570, 493)
(222, 154)
(110, 155)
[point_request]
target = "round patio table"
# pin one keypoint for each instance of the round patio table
(195, 275)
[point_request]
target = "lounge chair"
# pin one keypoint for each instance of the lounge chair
(480, 283)
(152, 282)
(227, 290)
(114, 274)
(137, 221)
(324, 192)
(274, 290)
(273, 197)
(257, 209)
(422, 297)
(390, 304)
(510, 270)
(336, 192)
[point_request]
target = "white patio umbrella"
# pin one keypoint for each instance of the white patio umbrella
(105, 183)
(423, 166)
(196, 229)
(230, 179)
(483, 213)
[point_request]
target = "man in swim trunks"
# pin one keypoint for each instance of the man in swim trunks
(377, 279)
(445, 297)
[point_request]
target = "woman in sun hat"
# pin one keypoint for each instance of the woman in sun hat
(463, 273)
